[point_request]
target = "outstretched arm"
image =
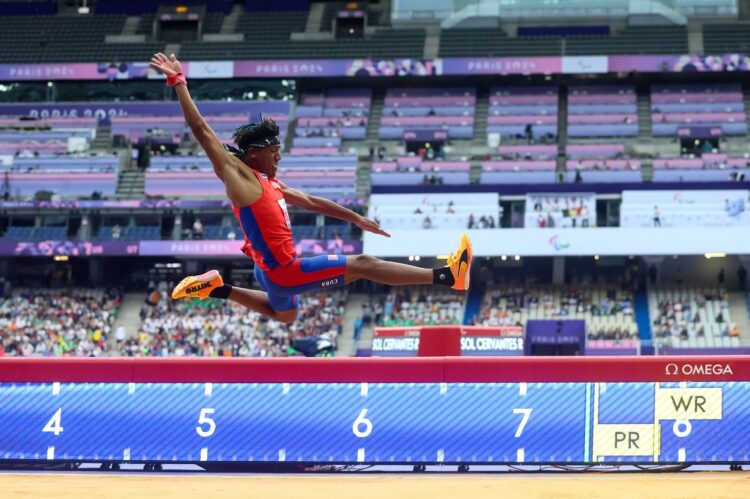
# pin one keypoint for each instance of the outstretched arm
(203, 133)
(330, 209)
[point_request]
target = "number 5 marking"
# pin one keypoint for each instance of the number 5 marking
(525, 419)
(204, 419)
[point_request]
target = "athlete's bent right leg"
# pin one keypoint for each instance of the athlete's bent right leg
(259, 301)
(211, 284)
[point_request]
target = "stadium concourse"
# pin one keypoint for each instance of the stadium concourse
(595, 152)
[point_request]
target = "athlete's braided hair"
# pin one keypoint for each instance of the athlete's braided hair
(260, 134)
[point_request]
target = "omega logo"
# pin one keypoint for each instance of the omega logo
(706, 369)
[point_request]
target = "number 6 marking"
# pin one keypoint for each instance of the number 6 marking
(525, 419)
(362, 420)
(204, 419)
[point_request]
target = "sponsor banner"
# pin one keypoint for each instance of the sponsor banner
(475, 341)
(118, 204)
(304, 247)
(68, 248)
(114, 109)
(211, 69)
(679, 63)
(311, 68)
(425, 135)
(603, 241)
(25, 72)
(501, 65)
(140, 203)
(701, 132)
(590, 64)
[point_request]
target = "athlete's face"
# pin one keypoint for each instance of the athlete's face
(265, 160)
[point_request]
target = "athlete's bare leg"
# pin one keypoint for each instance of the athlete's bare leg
(258, 301)
(391, 273)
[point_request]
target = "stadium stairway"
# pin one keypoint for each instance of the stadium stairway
(347, 347)
(363, 184)
(473, 303)
(642, 315)
(315, 17)
(229, 24)
(644, 113)
(739, 312)
(129, 316)
(103, 138)
(131, 26)
(131, 184)
(373, 121)
(562, 132)
(481, 111)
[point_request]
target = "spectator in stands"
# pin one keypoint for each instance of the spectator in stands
(197, 229)
(231, 235)
(427, 223)
(44, 323)
(529, 133)
(116, 232)
(578, 178)
(657, 217)
(742, 277)
(652, 274)
(721, 277)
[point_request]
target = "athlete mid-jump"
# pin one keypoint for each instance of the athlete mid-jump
(259, 202)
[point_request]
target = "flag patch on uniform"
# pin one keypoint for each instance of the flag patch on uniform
(333, 257)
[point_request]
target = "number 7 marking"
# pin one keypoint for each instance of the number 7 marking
(525, 419)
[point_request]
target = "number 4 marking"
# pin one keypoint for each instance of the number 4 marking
(54, 424)
(525, 419)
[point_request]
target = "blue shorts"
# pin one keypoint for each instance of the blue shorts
(283, 284)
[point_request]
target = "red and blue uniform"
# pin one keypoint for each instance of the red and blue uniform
(268, 241)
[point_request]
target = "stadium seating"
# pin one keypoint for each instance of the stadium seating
(214, 328)
(601, 162)
(602, 111)
(513, 110)
(727, 208)
(419, 306)
(436, 211)
(678, 106)
(35, 39)
(692, 318)
(608, 312)
(51, 323)
(324, 120)
(441, 104)
(24, 185)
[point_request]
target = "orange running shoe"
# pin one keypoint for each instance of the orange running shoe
(198, 286)
(460, 264)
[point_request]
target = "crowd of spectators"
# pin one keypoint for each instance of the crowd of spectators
(689, 317)
(418, 306)
(218, 328)
(513, 306)
(57, 322)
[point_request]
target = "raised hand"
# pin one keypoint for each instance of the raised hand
(370, 226)
(166, 65)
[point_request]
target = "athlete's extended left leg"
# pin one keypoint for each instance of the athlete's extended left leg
(455, 274)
